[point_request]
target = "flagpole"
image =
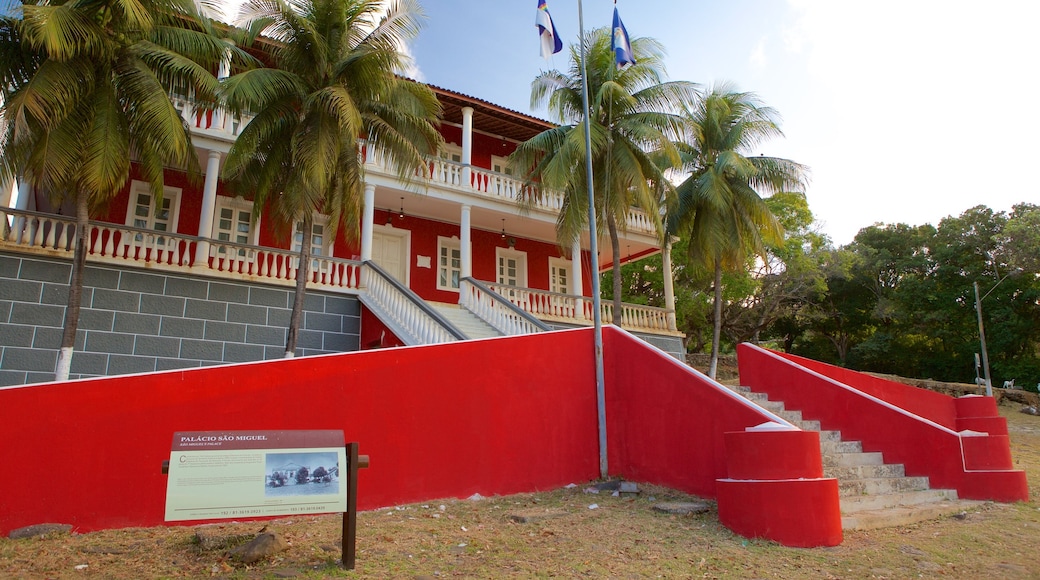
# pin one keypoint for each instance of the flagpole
(597, 322)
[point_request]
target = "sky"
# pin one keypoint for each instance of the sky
(906, 111)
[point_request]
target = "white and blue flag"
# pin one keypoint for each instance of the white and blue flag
(551, 43)
(620, 43)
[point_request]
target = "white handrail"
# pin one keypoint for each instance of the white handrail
(403, 309)
(578, 310)
(503, 318)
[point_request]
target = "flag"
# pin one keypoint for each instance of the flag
(619, 42)
(551, 43)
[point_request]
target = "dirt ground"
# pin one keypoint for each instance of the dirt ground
(580, 535)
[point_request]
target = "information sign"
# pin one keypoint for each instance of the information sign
(244, 474)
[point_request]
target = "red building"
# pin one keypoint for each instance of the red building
(456, 256)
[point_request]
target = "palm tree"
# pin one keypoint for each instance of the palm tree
(632, 128)
(85, 89)
(718, 207)
(332, 81)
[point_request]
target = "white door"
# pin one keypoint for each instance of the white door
(390, 251)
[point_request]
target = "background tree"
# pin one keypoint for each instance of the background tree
(332, 81)
(632, 127)
(719, 207)
(85, 90)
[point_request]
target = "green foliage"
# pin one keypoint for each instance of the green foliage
(632, 127)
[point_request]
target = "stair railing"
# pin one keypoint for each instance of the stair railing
(500, 313)
(410, 313)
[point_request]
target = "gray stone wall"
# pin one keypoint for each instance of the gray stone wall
(140, 321)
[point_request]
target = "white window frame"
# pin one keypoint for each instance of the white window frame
(235, 205)
(170, 194)
(521, 257)
(449, 152)
(448, 244)
(501, 165)
(564, 266)
(327, 244)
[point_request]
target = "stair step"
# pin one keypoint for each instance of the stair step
(858, 503)
(880, 485)
(808, 425)
(830, 435)
(828, 447)
(868, 471)
(852, 459)
(756, 397)
(904, 515)
(774, 406)
(793, 417)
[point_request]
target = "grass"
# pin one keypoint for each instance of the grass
(621, 538)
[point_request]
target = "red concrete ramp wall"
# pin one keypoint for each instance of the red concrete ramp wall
(977, 464)
(493, 416)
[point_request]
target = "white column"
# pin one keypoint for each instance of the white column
(367, 219)
(24, 192)
(669, 288)
(467, 146)
(465, 245)
(209, 205)
(577, 284)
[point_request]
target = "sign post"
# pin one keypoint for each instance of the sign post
(248, 474)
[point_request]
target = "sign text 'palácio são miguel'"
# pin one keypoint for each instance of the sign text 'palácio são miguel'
(243, 474)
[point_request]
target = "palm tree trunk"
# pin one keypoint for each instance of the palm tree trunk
(302, 273)
(79, 261)
(716, 330)
(615, 268)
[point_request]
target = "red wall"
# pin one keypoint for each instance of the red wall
(424, 233)
(922, 402)
(526, 422)
(977, 467)
(432, 427)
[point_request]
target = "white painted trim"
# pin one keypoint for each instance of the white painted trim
(522, 278)
(235, 204)
(454, 244)
(390, 230)
(565, 266)
(171, 193)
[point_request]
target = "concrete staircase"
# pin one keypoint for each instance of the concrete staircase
(873, 494)
(471, 325)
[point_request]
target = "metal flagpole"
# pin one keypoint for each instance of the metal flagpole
(601, 400)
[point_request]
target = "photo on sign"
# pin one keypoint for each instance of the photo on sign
(289, 474)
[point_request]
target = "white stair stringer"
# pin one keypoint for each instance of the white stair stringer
(873, 494)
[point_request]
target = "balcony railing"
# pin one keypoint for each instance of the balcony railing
(118, 244)
(572, 309)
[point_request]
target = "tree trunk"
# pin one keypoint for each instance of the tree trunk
(79, 260)
(615, 269)
(716, 330)
(302, 273)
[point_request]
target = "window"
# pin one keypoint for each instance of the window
(449, 263)
(500, 165)
(559, 275)
(512, 267)
(232, 222)
(451, 152)
(320, 243)
(143, 212)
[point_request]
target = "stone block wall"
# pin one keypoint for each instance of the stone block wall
(136, 321)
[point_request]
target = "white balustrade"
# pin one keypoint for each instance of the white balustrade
(487, 308)
(404, 311)
(578, 310)
(118, 244)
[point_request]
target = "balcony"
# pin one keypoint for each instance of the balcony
(118, 245)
